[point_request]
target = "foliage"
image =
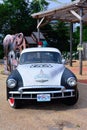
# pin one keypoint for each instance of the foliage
(57, 35)
(38, 5)
(76, 36)
(16, 17)
(85, 33)
(62, 31)
(1, 52)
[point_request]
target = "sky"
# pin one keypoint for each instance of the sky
(53, 4)
(0, 1)
(56, 4)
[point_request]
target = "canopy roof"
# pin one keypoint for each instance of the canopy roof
(67, 12)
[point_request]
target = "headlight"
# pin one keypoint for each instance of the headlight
(11, 83)
(71, 81)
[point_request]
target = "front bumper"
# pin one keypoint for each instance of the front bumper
(31, 92)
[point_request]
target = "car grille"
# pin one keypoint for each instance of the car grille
(40, 89)
(31, 93)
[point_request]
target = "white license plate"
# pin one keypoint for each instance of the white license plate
(43, 97)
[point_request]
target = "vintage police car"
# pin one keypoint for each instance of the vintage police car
(41, 76)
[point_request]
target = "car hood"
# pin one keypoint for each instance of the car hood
(41, 74)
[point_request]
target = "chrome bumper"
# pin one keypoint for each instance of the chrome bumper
(32, 92)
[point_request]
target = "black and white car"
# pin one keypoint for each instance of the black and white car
(41, 76)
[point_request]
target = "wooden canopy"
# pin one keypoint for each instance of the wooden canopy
(67, 12)
(74, 12)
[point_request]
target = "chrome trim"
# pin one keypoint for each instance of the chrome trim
(40, 92)
(62, 93)
(41, 86)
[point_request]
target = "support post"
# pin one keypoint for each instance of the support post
(81, 32)
(71, 41)
(38, 30)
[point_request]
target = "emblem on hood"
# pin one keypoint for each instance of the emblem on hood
(41, 77)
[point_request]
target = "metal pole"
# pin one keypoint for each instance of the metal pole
(80, 51)
(81, 31)
(71, 41)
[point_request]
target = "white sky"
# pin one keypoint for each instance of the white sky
(0, 1)
(56, 4)
(52, 4)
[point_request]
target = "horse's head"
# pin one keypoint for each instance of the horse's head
(18, 39)
(19, 42)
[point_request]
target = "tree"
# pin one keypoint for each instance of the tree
(17, 15)
(38, 5)
(62, 35)
(85, 33)
(16, 18)
(76, 36)
(57, 35)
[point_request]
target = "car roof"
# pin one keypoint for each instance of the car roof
(35, 49)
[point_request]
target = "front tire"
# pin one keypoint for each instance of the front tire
(71, 100)
(14, 103)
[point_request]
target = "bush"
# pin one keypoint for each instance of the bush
(1, 52)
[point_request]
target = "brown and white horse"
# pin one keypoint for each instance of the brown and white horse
(19, 42)
(13, 45)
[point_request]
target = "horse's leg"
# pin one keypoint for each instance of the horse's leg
(5, 59)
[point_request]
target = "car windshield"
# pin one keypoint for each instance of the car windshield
(40, 57)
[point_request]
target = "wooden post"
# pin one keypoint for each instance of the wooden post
(80, 51)
(71, 41)
(38, 30)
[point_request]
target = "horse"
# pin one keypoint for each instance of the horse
(13, 45)
(7, 43)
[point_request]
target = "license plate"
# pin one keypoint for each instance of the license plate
(43, 97)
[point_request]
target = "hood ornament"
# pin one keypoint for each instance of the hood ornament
(41, 77)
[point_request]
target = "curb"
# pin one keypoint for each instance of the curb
(84, 81)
